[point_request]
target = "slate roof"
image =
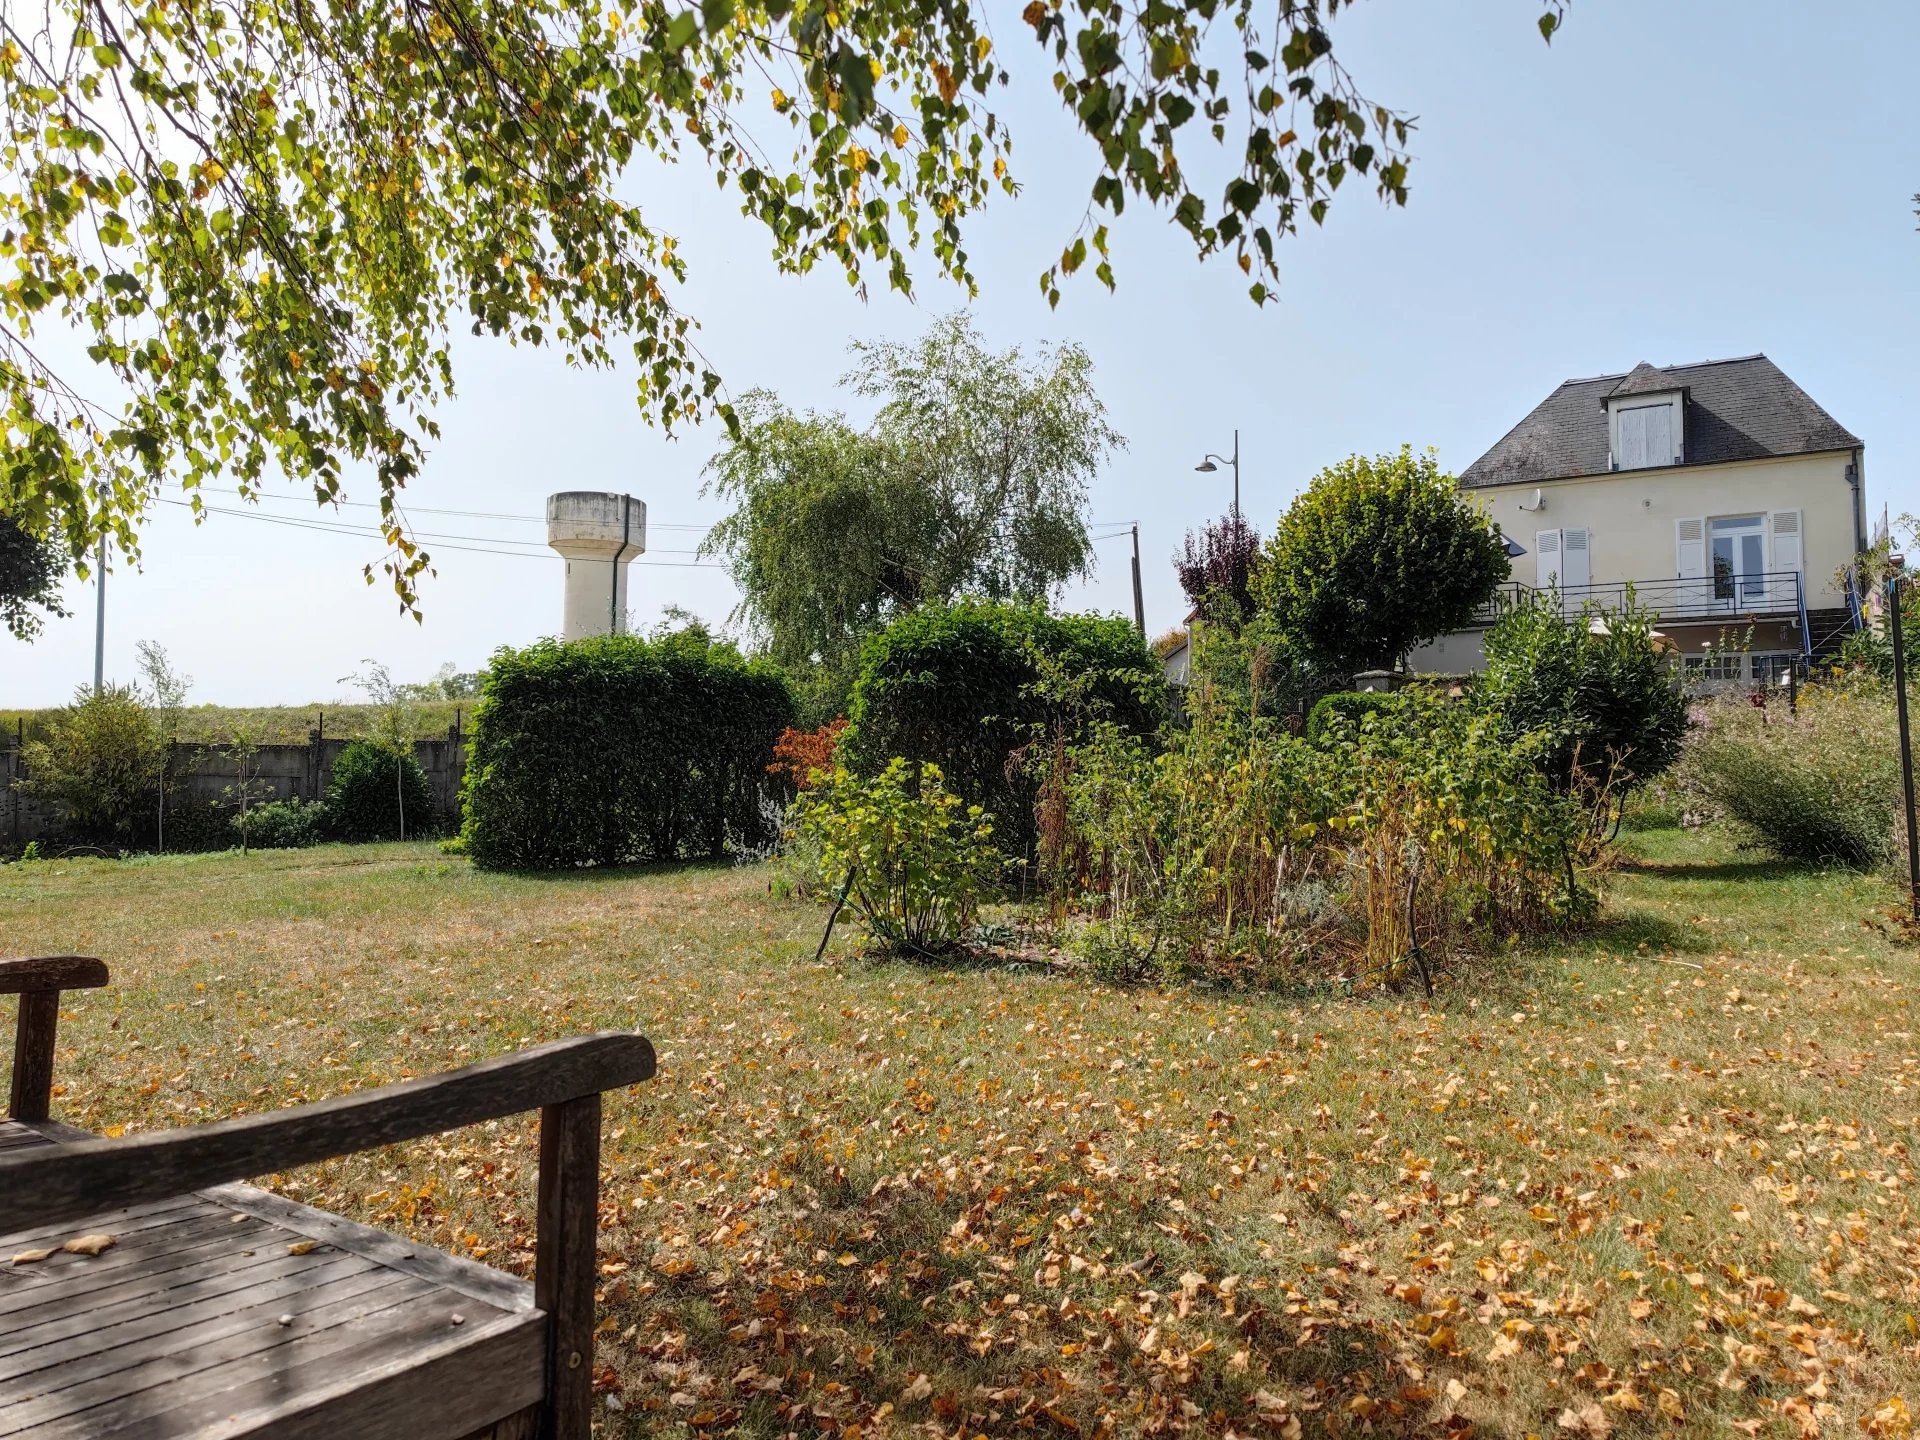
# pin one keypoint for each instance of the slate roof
(1740, 409)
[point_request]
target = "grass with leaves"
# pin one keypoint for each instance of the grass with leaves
(1656, 1180)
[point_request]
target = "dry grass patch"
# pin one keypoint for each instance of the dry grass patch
(1652, 1181)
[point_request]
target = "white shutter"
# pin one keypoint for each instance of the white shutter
(1546, 558)
(1633, 438)
(1575, 570)
(1690, 563)
(1783, 533)
(1690, 549)
(1659, 441)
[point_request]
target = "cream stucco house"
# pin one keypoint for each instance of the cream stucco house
(1720, 492)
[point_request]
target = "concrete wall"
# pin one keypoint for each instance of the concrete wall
(1631, 515)
(207, 774)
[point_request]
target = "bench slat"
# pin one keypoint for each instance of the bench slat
(71, 1181)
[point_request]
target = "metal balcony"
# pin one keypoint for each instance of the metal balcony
(1774, 595)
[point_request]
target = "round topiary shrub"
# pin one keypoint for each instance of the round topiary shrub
(375, 794)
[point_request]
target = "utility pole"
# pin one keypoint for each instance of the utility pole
(1139, 606)
(100, 618)
(1906, 743)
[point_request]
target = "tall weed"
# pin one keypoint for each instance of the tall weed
(1821, 784)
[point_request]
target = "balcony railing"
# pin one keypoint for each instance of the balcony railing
(1726, 596)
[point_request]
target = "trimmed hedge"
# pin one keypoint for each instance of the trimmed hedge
(617, 749)
(965, 686)
(1349, 705)
(366, 792)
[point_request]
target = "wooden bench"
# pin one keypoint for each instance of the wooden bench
(221, 1310)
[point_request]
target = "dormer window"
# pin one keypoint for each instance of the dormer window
(1648, 430)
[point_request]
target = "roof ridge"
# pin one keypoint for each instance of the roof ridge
(1678, 365)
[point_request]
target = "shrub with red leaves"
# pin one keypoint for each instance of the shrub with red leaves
(799, 754)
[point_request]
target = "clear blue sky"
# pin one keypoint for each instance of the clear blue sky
(1665, 183)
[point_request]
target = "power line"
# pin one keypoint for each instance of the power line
(257, 495)
(1117, 527)
(360, 533)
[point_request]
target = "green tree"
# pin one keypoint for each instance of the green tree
(1378, 556)
(166, 696)
(263, 218)
(1596, 685)
(395, 724)
(972, 479)
(97, 759)
(30, 571)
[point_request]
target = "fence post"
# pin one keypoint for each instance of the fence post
(13, 772)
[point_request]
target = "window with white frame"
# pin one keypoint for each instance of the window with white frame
(1714, 665)
(1774, 669)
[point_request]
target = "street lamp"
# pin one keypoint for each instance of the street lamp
(1208, 465)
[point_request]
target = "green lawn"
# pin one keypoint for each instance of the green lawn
(1654, 1180)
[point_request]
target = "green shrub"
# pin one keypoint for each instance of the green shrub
(968, 686)
(617, 749)
(919, 858)
(1346, 707)
(288, 824)
(197, 826)
(1608, 703)
(1822, 785)
(377, 794)
(100, 759)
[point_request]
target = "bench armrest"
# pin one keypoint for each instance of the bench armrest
(38, 981)
(33, 974)
(52, 1185)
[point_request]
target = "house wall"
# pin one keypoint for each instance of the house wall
(1631, 515)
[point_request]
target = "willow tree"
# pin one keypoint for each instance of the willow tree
(971, 480)
(261, 219)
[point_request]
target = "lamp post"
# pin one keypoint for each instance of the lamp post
(1211, 462)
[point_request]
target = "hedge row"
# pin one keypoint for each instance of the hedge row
(969, 686)
(617, 749)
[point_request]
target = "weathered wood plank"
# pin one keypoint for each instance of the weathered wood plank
(337, 1361)
(70, 1181)
(157, 1279)
(150, 1268)
(126, 1338)
(524, 1425)
(469, 1277)
(297, 1271)
(489, 1380)
(118, 1222)
(196, 1237)
(59, 1392)
(25, 974)
(136, 1217)
(564, 1262)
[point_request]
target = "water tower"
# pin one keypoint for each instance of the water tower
(598, 534)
